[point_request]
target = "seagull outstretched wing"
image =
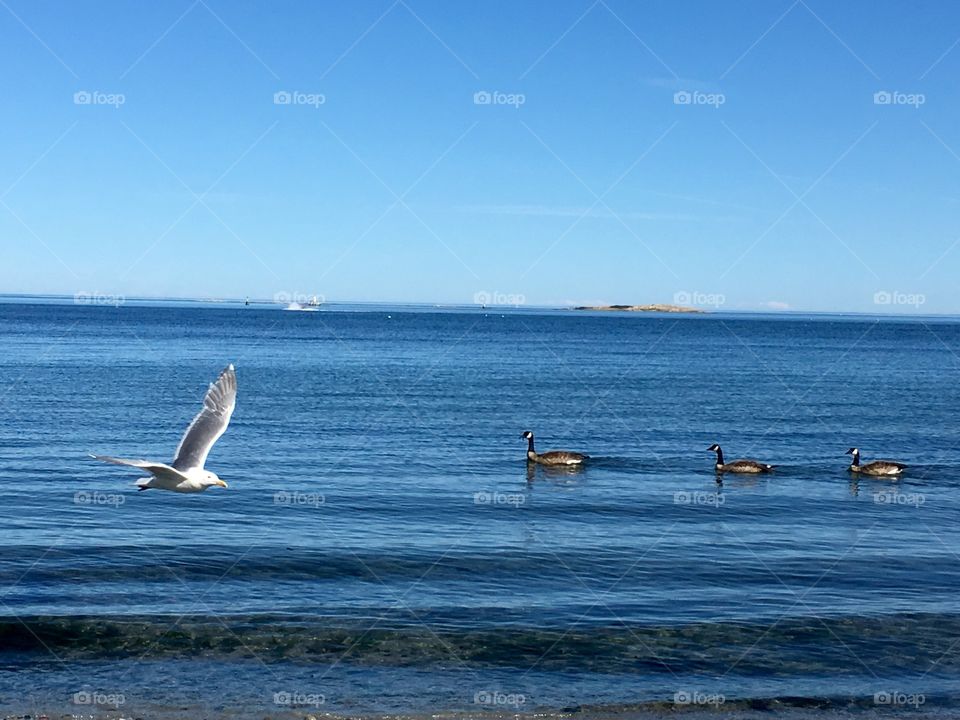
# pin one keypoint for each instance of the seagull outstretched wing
(209, 424)
(160, 470)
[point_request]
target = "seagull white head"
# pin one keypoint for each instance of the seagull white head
(211, 479)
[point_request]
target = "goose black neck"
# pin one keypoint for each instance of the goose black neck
(856, 459)
(719, 456)
(530, 444)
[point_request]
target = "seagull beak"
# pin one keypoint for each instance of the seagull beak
(222, 484)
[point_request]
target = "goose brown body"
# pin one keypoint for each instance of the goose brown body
(738, 466)
(877, 468)
(551, 457)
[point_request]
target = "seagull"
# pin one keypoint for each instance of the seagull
(186, 473)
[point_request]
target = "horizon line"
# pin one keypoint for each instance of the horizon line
(99, 298)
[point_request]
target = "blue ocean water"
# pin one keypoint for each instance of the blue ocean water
(383, 546)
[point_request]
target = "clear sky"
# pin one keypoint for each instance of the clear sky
(580, 176)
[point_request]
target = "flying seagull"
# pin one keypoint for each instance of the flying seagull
(186, 474)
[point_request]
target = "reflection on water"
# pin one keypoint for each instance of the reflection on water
(554, 472)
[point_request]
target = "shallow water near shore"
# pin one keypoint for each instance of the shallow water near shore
(383, 548)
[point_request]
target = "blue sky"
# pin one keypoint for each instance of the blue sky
(783, 183)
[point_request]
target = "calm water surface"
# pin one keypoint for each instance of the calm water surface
(383, 547)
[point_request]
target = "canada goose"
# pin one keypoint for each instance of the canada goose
(738, 466)
(553, 457)
(877, 467)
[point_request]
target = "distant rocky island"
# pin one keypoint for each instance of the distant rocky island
(657, 307)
